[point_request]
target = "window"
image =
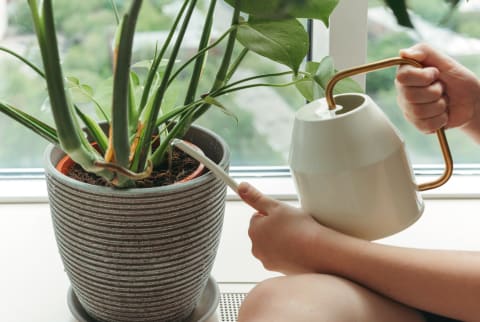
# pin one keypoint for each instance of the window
(436, 25)
(384, 38)
(261, 136)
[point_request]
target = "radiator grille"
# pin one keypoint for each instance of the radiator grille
(229, 305)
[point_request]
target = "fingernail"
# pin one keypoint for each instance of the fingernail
(243, 188)
(410, 52)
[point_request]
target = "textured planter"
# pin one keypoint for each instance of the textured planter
(139, 254)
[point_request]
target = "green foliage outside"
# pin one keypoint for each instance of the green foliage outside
(86, 28)
(422, 148)
(85, 33)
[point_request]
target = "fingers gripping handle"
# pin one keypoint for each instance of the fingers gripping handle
(384, 64)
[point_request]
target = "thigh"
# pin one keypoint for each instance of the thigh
(320, 298)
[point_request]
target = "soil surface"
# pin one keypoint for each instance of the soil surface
(182, 166)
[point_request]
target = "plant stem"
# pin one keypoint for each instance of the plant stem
(158, 155)
(199, 53)
(230, 90)
(201, 58)
(70, 135)
(120, 103)
(236, 64)
(115, 11)
(223, 70)
(254, 78)
(132, 108)
(221, 77)
(177, 111)
(144, 145)
(94, 129)
(24, 60)
(37, 126)
(158, 58)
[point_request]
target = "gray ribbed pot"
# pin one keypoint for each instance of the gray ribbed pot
(139, 254)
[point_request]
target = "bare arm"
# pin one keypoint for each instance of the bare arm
(288, 240)
(440, 281)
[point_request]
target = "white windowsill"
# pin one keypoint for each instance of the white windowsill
(462, 185)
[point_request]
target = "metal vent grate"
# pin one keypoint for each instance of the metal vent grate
(229, 305)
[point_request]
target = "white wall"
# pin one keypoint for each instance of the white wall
(346, 38)
(3, 18)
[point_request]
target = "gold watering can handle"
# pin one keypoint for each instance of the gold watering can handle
(384, 64)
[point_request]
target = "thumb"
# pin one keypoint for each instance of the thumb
(255, 198)
(428, 56)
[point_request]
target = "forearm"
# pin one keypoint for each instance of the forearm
(444, 282)
(472, 128)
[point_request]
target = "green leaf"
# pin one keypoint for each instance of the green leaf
(347, 85)
(134, 79)
(24, 60)
(73, 80)
(283, 41)
(94, 129)
(37, 126)
(275, 9)
(307, 85)
(121, 83)
(212, 101)
(399, 8)
(83, 93)
(149, 62)
(325, 72)
(320, 74)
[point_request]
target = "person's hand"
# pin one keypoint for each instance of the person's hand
(284, 238)
(441, 94)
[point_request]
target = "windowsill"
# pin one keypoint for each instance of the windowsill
(277, 184)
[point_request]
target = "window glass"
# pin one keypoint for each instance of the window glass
(457, 33)
(85, 30)
(260, 133)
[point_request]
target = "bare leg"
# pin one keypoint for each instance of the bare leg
(320, 298)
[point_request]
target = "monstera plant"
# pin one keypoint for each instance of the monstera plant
(140, 127)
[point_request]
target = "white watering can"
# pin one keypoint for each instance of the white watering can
(349, 163)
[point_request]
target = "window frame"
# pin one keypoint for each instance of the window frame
(29, 186)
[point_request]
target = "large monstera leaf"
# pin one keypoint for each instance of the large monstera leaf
(283, 41)
(278, 9)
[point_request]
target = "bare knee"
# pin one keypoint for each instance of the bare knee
(260, 302)
(321, 298)
(292, 298)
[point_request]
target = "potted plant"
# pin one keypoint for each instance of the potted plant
(133, 250)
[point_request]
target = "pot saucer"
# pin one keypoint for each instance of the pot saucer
(204, 311)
